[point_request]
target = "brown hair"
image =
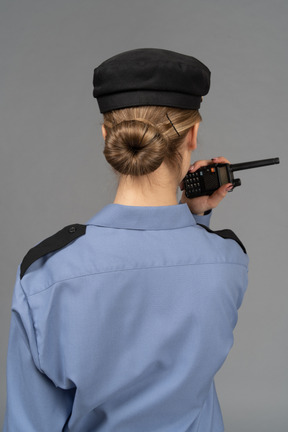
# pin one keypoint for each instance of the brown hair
(139, 139)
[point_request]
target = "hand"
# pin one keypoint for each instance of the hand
(207, 202)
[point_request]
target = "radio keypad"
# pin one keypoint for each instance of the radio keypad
(192, 183)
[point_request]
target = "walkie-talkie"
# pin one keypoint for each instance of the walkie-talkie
(207, 179)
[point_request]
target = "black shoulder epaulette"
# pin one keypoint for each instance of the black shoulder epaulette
(227, 234)
(52, 244)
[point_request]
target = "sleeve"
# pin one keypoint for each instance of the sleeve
(203, 220)
(34, 403)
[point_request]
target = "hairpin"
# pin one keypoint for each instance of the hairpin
(172, 124)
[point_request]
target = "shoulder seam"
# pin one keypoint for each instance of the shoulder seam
(34, 329)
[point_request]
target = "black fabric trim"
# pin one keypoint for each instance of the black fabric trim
(226, 234)
(52, 244)
(127, 99)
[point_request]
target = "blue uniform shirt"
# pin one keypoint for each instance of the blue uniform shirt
(124, 329)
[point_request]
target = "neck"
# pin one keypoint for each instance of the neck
(156, 189)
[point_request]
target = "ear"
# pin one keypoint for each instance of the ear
(192, 135)
(104, 132)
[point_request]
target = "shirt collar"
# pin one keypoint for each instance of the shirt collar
(144, 218)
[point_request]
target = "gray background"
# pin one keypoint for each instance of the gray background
(53, 172)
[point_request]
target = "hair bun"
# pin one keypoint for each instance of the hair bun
(135, 147)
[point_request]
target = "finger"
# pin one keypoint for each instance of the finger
(201, 163)
(219, 195)
(220, 159)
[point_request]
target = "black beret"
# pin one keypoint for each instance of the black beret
(150, 76)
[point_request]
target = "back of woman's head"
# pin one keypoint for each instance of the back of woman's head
(139, 139)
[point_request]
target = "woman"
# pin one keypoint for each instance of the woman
(121, 324)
